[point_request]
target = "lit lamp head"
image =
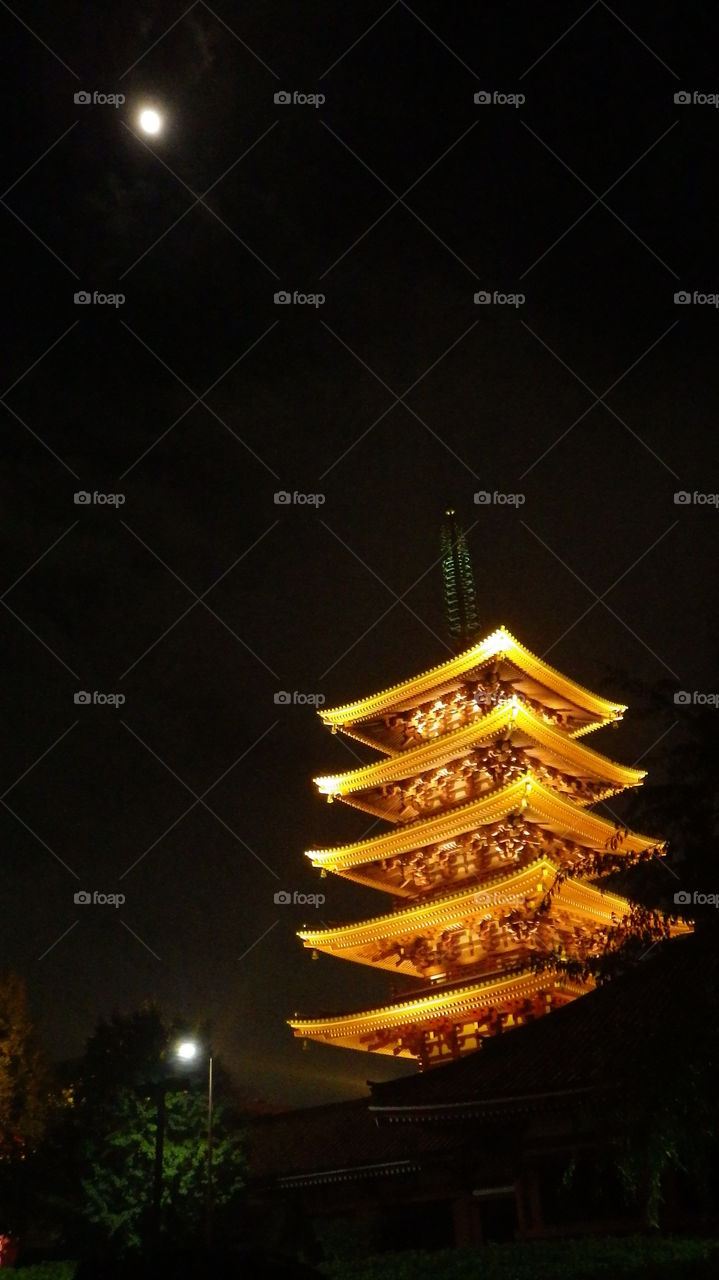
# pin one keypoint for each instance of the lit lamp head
(186, 1050)
(150, 121)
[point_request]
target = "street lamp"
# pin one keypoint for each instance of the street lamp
(185, 1051)
(188, 1051)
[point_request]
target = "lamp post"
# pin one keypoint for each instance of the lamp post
(188, 1051)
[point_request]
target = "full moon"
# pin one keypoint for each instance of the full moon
(150, 121)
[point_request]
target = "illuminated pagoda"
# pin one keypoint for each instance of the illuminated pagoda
(492, 853)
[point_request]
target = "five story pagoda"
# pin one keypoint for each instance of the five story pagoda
(492, 852)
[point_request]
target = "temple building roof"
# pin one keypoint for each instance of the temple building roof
(537, 802)
(511, 719)
(459, 1003)
(497, 646)
(521, 892)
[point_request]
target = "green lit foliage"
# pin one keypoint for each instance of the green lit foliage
(126, 1064)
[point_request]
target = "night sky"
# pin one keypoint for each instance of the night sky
(198, 398)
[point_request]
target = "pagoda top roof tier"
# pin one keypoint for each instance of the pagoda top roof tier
(536, 801)
(499, 645)
(511, 714)
(460, 1003)
(491, 898)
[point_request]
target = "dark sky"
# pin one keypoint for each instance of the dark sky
(198, 398)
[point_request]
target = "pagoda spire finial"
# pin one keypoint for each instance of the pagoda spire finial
(460, 597)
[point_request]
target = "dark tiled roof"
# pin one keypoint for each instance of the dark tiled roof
(331, 1139)
(587, 1045)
